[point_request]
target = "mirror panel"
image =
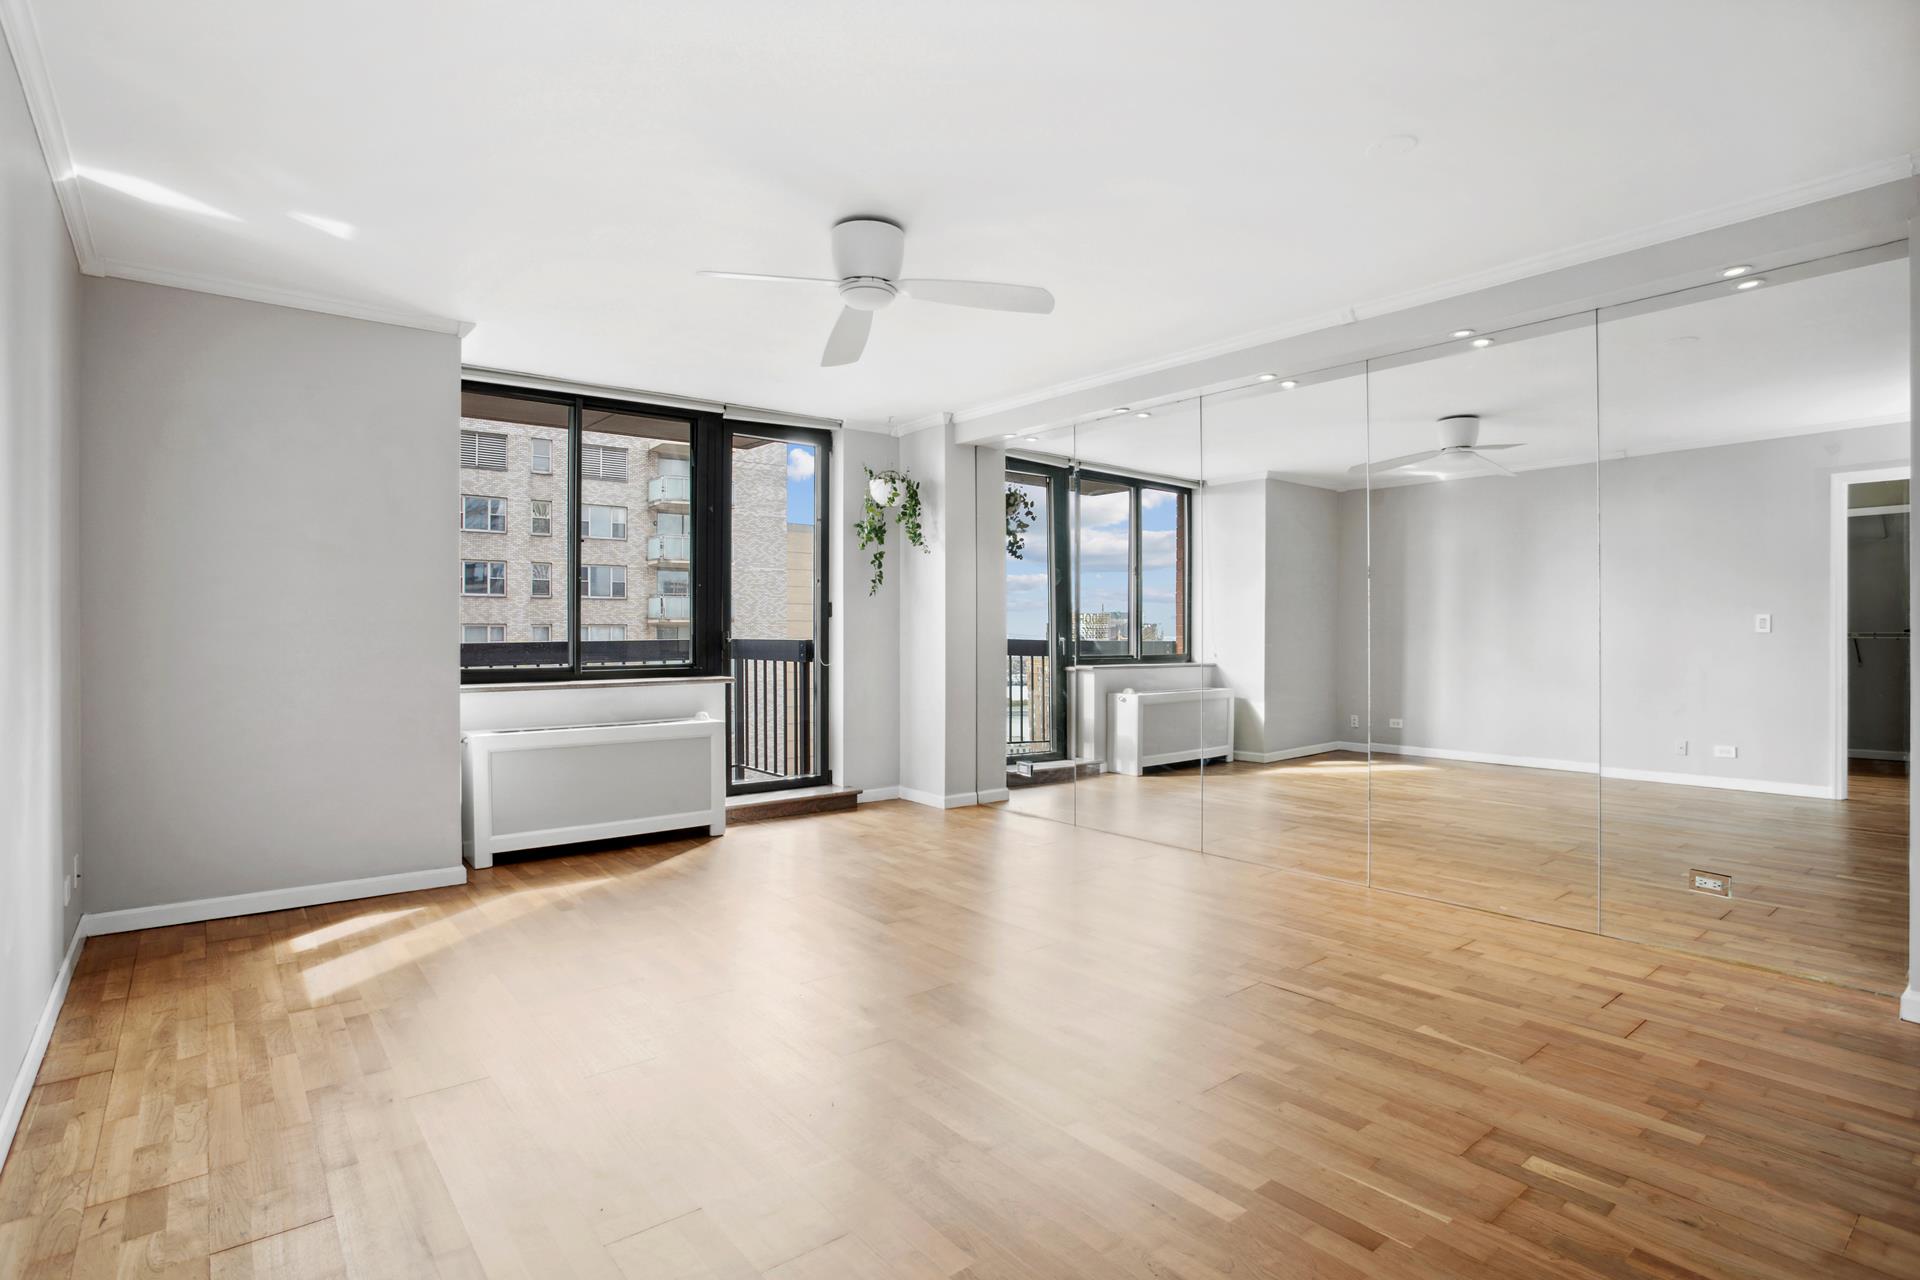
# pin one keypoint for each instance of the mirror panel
(1041, 754)
(1484, 604)
(1283, 582)
(1755, 631)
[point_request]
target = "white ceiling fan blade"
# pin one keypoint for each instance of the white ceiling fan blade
(1394, 464)
(981, 293)
(755, 275)
(1485, 461)
(849, 337)
(1482, 448)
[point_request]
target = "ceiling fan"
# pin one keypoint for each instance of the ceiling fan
(867, 256)
(1457, 457)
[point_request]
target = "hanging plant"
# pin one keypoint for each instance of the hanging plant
(1020, 514)
(885, 491)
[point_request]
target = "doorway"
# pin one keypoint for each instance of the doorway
(777, 609)
(1871, 626)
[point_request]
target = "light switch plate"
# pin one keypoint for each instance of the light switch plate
(1680, 747)
(1763, 624)
(1726, 753)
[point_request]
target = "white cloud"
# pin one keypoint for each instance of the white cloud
(1153, 498)
(799, 463)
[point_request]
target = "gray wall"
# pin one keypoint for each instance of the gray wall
(268, 593)
(864, 680)
(39, 429)
(1487, 597)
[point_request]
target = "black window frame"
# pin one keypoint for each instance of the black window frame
(1136, 621)
(709, 526)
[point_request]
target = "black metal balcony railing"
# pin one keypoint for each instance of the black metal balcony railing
(1030, 676)
(770, 710)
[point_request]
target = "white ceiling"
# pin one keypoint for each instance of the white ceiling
(1790, 357)
(1179, 178)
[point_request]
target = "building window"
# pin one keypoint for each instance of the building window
(542, 456)
(483, 577)
(483, 450)
(603, 462)
(483, 515)
(603, 581)
(473, 633)
(603, 522)
(542, 632)
(542, 519)
(601, 633)
(542, 579)
(1132, 556)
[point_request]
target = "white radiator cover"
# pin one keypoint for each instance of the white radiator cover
(530, 788)
(1170, 727)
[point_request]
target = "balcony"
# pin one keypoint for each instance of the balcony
(670, 549)
(1030, 699)
(670, 493)
(770, 712)
(669, 608)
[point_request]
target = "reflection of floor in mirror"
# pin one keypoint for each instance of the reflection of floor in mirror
(1818, 886)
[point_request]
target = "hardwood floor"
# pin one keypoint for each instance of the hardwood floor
(1819, 886)
(905, 1042)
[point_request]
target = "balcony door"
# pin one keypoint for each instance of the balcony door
(777, 609)
(1038, 607)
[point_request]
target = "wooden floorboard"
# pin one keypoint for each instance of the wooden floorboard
(900, 1042)
(1819, 886)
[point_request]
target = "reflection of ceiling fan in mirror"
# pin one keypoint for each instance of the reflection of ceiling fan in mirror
(1458, 457)
(867, 256)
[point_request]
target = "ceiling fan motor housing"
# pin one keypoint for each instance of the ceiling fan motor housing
(1459, 430)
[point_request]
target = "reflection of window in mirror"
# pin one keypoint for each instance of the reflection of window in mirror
(1134, 600)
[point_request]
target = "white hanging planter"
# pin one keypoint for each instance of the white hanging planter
(884, 492)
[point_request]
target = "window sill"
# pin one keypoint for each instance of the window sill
(1137, 666)
(610, 683)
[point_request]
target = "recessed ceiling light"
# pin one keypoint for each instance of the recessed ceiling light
(1464, 333)
(1268, 377)
(1143, 414)
(1751, 282)
(1125, 408)
(1010, 435)
(1033, 439)
(326, 226)
(151, 192)
(1288, 385)
(1482, 342)
(1731, 272)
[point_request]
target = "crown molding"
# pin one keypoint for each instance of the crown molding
(1851, 181)
(297, 299)
(23, 39)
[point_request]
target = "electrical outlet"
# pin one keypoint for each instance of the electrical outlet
(1726, 753)
(1396, 723)
(1763, 624)
(1353, 722)
(1710, 882)
(1680, 747)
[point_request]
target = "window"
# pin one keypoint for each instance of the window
(616, 494)
(603, 581)
(603, 522)
(479, 634)
(603, 462)
(483, 577)
(483, 515)
(1132, 557)
(483, 450)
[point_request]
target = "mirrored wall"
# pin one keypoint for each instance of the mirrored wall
(1600, 622)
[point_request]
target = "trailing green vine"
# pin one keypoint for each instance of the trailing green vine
(887, 489)
(1020, 515)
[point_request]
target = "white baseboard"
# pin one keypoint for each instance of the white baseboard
(247, 904)
(1910, 1004)
(1865, 754)
(1804, 790)
(42, 1037)
(933, 800)
(1289, 753)
(994, 795)
(873, 795)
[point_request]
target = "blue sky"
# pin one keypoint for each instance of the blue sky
(800, 467)
(1104, 520)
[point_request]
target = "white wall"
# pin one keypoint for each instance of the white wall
(1303, 576)
(268, 563)
(39, 700)
(1231, 568)
(864, 638)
